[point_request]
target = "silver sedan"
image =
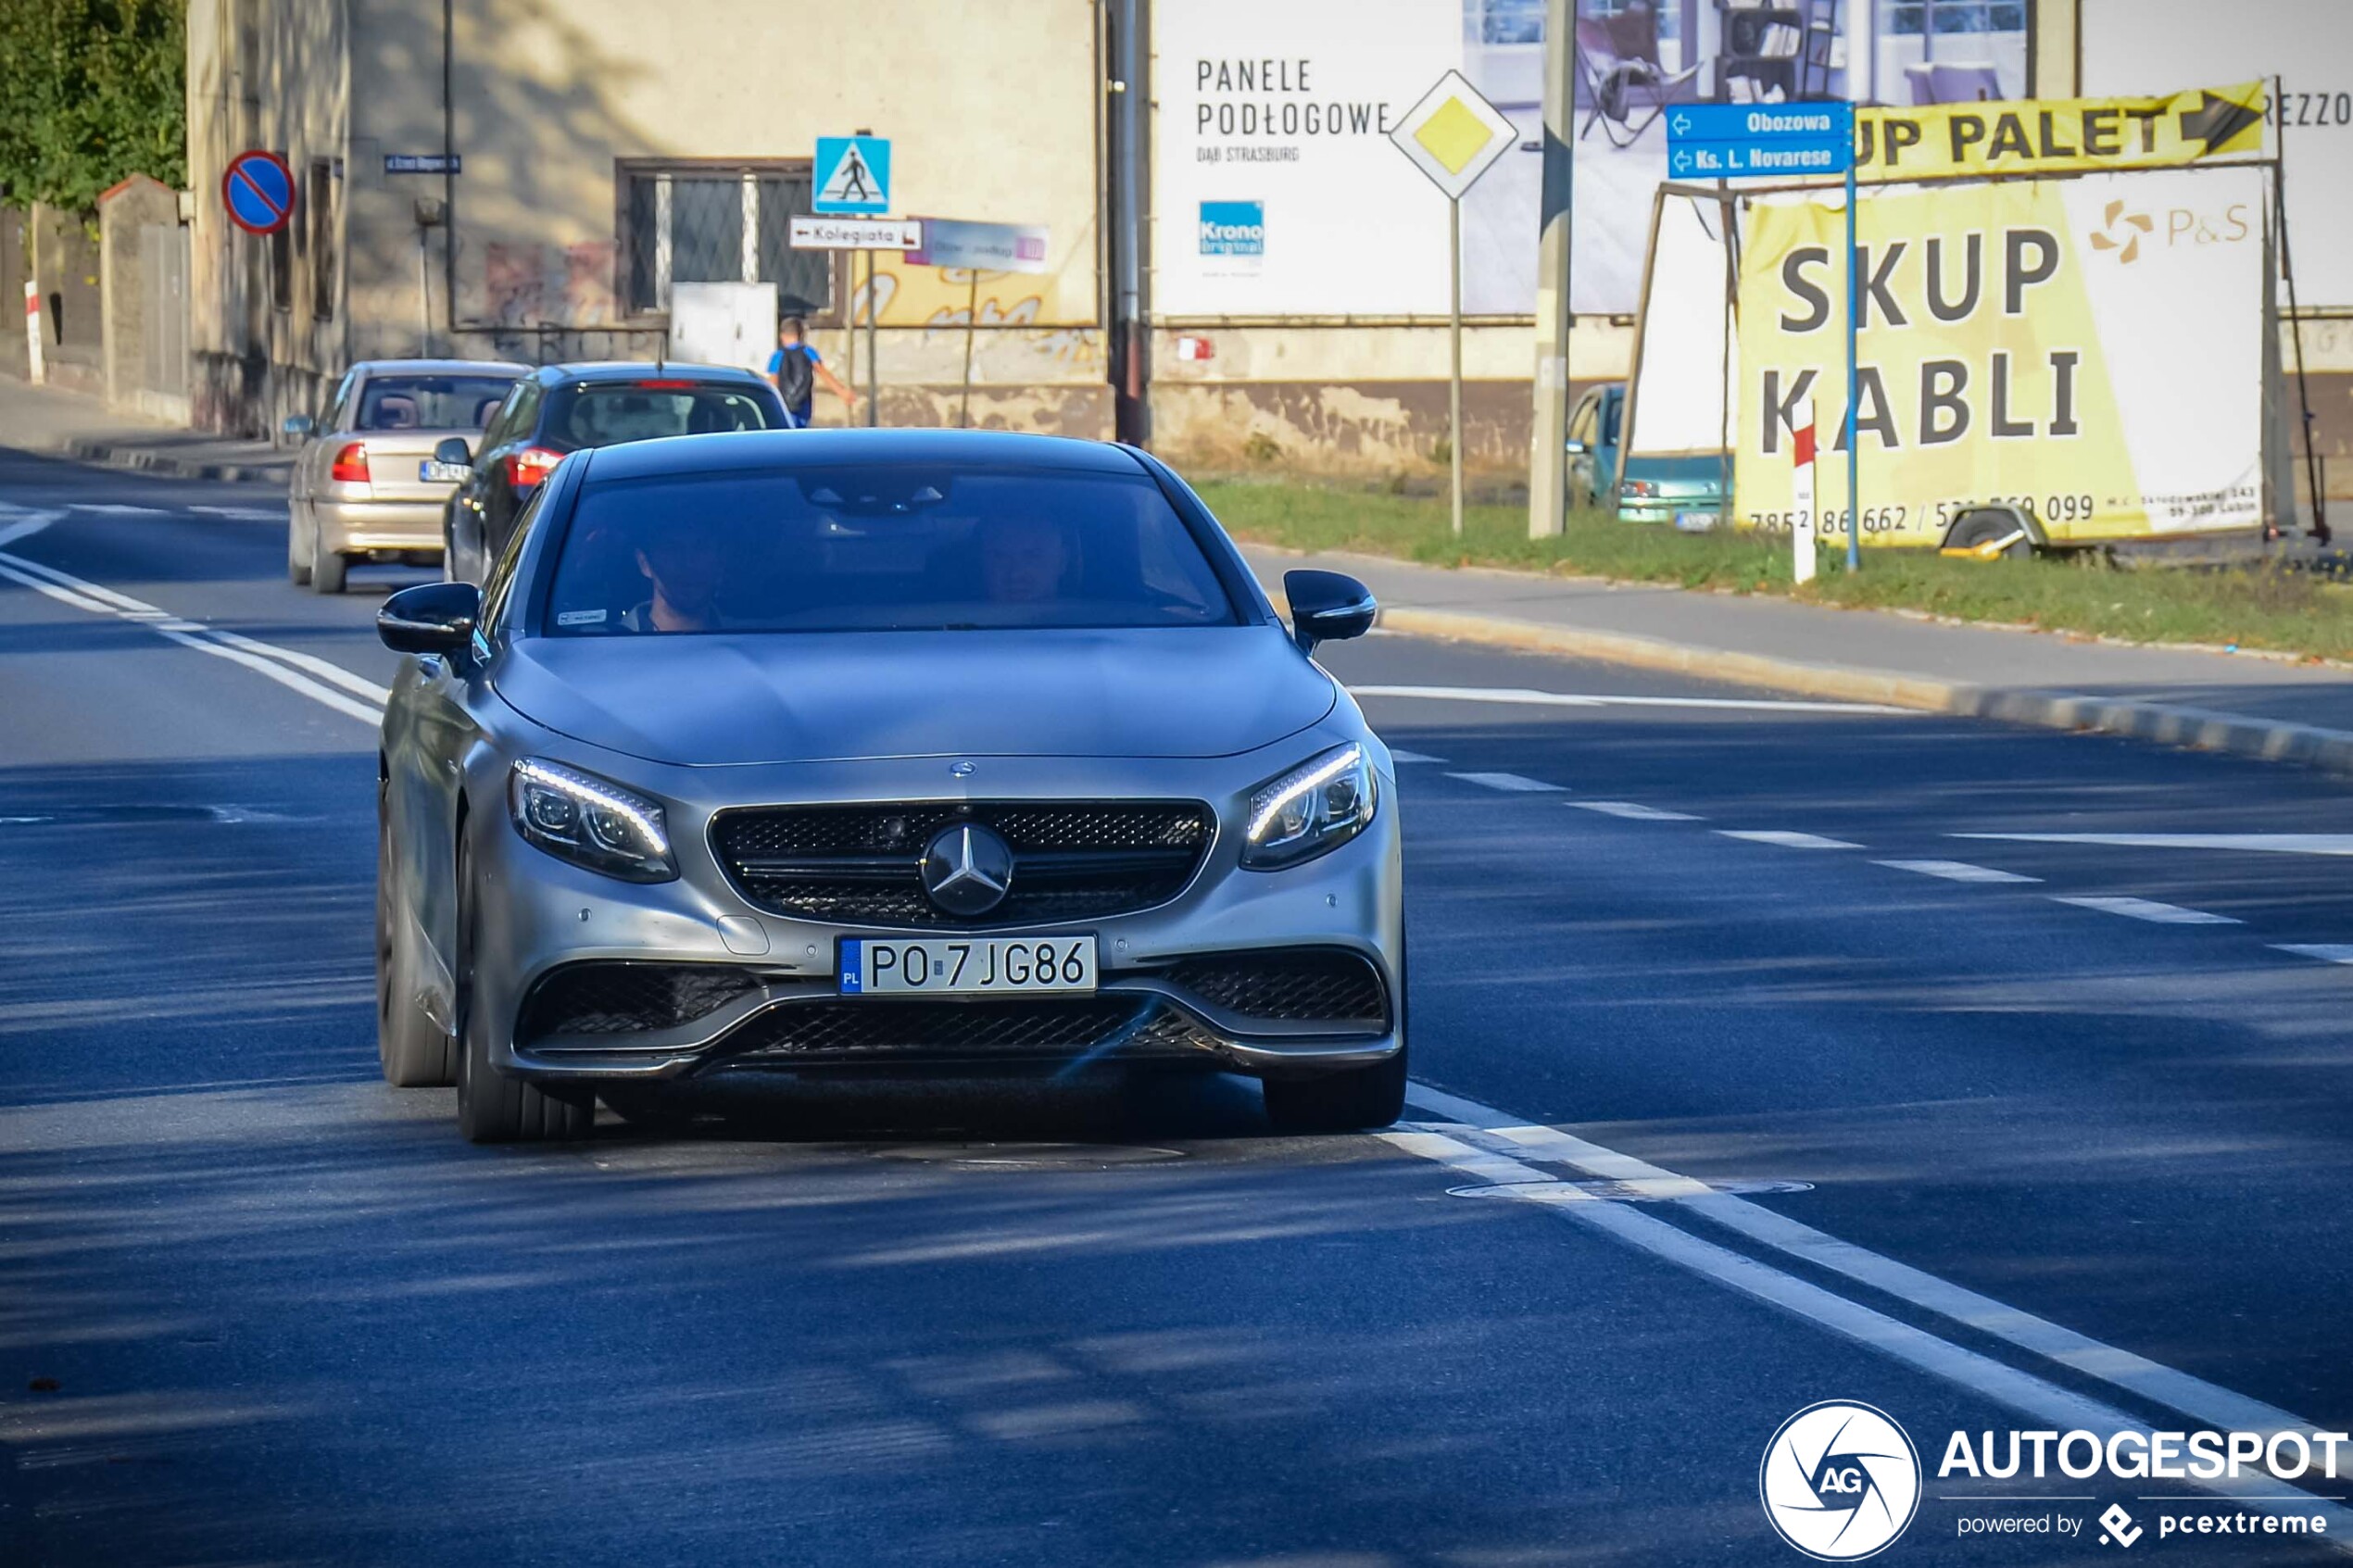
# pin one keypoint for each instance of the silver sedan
(366, 485)
(853, 752)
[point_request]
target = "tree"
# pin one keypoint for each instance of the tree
(93, 90)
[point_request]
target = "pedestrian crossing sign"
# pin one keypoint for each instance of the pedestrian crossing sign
(851, 176)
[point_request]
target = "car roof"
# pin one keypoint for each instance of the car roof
(440, 367)
(738, 450)
(643, 370)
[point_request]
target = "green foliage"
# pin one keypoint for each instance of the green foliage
(91, 92)
(2252, 607)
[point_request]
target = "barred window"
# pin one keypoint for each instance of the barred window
(702, 224)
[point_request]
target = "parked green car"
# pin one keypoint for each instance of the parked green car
(1685, 491)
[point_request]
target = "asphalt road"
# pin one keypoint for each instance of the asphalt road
(1766, 1054)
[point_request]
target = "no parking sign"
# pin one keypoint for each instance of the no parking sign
(258, 191)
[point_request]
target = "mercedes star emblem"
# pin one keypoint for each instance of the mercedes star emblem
(967, 868)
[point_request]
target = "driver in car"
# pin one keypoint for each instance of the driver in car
(685, 566)
(1023, 559)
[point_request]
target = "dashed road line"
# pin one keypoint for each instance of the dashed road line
(1398, 754)
(1513, 782)
(2145, 908)
(1481, 1142)
(1787, 840)
(1633, 811)
(1524, 697)
(323, 682)
(2327, 952)
(2258, 843)
(1956, 871)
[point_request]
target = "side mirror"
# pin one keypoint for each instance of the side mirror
(430, 618)
(1327, 607)
(454, 451)
(299, 425)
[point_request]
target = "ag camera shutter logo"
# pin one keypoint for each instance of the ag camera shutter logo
(1840, 1481)
(1234, 232)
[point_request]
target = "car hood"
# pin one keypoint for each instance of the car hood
(724, 699)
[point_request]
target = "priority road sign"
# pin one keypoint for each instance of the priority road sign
(1759, 141)
(258, 190)
(852, 176)
(1453, 136)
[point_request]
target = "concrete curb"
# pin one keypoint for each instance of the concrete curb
(145, 460)
(2268, 740)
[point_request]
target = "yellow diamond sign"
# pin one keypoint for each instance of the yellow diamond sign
(1453, 136)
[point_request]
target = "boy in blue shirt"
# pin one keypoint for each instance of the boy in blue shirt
(796, 368)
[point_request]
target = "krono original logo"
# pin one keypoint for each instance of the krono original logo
(2122, 231)
(1840, 1481)
(2131, 225)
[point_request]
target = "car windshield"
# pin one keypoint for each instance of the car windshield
(881, 548)
(598, 415)
(430, 402)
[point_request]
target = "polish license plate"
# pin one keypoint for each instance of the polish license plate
(431, 473)
(967, 966)
(1695, 522)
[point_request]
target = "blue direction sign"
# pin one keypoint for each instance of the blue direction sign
(258, 191)
(1759, 141)
(852, 176)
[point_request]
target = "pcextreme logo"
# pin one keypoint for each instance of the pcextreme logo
(2122, 231)
(1840, 1481)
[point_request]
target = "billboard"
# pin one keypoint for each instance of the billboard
(1286, 108)
(2154, 46)
(2090, 350)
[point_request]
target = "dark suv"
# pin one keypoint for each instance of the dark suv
(561, 408)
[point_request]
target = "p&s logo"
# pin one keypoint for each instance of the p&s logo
(1235, 229)
(1840, 1481)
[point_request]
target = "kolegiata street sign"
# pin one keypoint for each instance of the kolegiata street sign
(806, 233)
(1453, 136)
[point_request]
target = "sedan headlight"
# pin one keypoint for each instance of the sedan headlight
(1317, 807)
(590, 822)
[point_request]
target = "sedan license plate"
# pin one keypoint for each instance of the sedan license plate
(431, 473)
(967, 966)
(1695, 522)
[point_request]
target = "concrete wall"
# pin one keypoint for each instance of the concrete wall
(15, 266)
(65, 263)
(123, 211)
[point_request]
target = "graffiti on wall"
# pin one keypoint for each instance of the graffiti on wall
(555, 285)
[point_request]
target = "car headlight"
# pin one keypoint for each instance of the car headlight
(1317, 807)
(590, 822)
(1638, 487)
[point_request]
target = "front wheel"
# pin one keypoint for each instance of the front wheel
(1339, 1102)
(411, 1049)
(492, 1106)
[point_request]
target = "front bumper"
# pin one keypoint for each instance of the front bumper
(542, 915)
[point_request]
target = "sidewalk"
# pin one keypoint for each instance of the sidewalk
(2247, 704)
(43, 418)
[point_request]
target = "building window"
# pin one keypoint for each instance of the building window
(321, 199)
(704, 223)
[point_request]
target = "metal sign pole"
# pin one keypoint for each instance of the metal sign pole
(874, 349)
(972, 319)
(1454, 334)
(1854, 385)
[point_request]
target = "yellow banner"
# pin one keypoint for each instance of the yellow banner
(2088, 350)
(2059, 135)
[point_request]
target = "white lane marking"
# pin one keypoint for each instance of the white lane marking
(359, 698)
(2260, 843)
(25, 525)
(1513, 782)
(1525, 696)
(1633, 811)
(1398, 754)
(1956, 871)
(2145, 908)
(1787, 840)
(2150, 1380)
(110, 509)
(2327, 952)
(243, 514)
(1901, 1341)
